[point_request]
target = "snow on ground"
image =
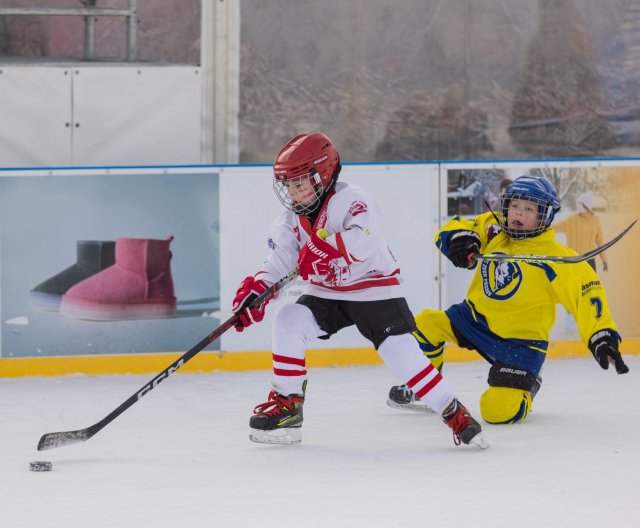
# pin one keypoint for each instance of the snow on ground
(181, 456)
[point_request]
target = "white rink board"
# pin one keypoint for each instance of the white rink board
(409, 197)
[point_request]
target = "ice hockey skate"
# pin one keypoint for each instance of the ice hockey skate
(402, 397)
(465, 428)
(278, 420)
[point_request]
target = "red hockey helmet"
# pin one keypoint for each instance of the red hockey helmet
(305, 158)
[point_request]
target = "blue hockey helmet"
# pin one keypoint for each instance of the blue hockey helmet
(538, 190)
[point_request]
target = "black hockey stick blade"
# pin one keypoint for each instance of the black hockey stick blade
(53, 440)
(64, 438)
(501, 257)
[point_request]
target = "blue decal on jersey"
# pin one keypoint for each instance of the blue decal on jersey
(597, 302)
(271, 244)
(527, 354)
(500, 280)
(548, 270)
(425, 344)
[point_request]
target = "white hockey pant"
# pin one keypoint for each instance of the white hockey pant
(402, 355)
(294, 327)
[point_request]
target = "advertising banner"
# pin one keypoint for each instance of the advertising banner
(598, 200)
(135, 262)
(107, 261)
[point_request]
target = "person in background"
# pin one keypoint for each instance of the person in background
(511, 306)
(503, 186)
(583, 229)
(332, 232)
(495, 201)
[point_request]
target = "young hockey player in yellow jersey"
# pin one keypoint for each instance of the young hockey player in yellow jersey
(511, 306)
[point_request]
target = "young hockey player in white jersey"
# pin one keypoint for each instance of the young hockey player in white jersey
(511, 306)
(332, 232)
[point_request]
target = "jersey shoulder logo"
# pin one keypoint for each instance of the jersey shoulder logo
(357, 207)
(296, 232)
(500, 280)
(492, 231)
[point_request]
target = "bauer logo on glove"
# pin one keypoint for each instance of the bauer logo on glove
(316, 256)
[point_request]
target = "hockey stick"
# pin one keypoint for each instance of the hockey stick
(53, 440)
(501, 257)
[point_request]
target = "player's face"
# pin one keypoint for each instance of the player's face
(523, 214)
(301, 190)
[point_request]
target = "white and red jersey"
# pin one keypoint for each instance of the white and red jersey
(368, 271)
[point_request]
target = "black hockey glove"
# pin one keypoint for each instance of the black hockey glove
(463, 245)
(604, 347)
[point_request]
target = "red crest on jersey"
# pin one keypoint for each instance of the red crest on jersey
(357, 208)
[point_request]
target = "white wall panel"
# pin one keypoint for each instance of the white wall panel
(136, 116)
(35, 116)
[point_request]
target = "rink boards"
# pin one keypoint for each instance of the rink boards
(219, 217)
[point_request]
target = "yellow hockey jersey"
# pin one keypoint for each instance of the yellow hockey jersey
(517, 300)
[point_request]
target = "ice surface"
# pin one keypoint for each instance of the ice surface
(181, 456)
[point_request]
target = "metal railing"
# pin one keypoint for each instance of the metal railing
(89, 13)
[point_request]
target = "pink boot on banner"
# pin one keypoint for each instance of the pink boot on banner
(138, 286)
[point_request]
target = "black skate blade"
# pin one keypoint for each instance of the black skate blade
(284, 436)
